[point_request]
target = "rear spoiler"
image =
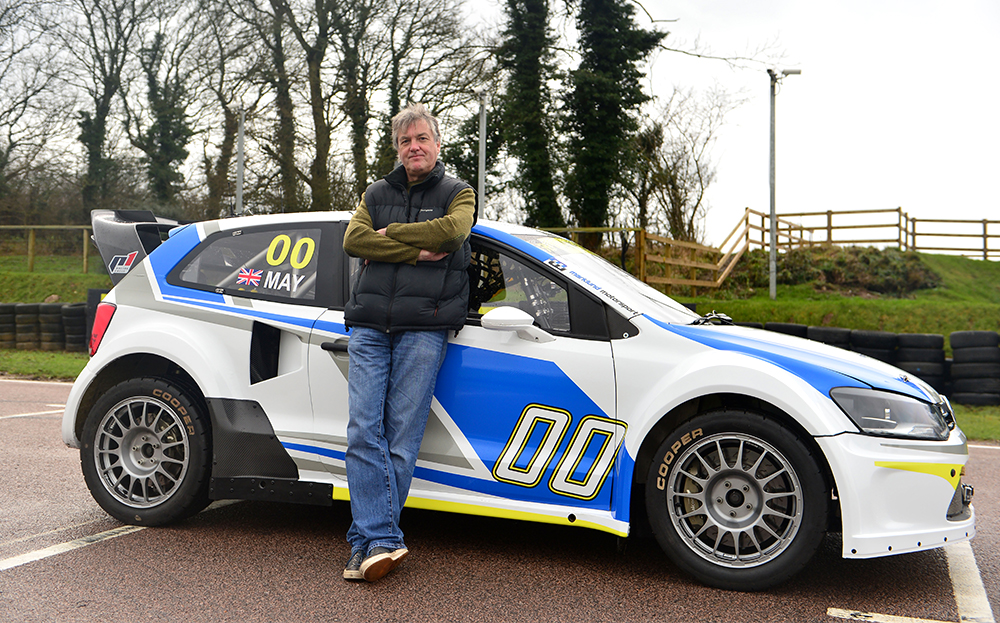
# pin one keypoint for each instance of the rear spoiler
(125, 237)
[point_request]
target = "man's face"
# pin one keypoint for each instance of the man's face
(417, 150)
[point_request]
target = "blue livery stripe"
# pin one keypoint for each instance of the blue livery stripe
(822, 371)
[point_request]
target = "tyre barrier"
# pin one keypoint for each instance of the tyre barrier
(922, 354)
(834, 336)
(8, 326)
(975, 367)
(788, 328)
(74, 320)
(26, 327)
(44, 326)
(879, 345)
(971, 377)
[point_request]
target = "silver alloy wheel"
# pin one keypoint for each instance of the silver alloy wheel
(735, 500)
(142, 452)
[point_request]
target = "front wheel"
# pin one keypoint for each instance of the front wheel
(145, 453)
(736, 500)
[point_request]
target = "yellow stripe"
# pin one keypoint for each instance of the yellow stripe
(341, 493)
(951, 473)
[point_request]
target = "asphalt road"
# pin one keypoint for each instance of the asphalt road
(63, 559)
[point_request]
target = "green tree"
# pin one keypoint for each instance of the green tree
(526, 56)
(604, 91)
(164, 142)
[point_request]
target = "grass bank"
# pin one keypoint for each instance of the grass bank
(57, 275)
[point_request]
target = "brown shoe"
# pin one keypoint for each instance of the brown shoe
(380, 561)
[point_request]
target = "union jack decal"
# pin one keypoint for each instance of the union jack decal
(249, 277)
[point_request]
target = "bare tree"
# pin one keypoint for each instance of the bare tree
(439, 65)
(268, 21)
(221, 71)
(312, 27)
(32, 111)
(670, 168)
(100, 35)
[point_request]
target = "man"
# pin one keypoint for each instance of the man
(412, 230)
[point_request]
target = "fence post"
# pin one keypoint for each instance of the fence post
(829, 226)
(86, 241)
(913, 235)
(31, 250)
(986, 241)
(900, 225)
(640, 255)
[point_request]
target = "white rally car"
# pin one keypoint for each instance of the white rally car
(574, 395)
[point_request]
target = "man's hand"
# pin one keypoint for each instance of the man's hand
(430, 256)
(425, 255)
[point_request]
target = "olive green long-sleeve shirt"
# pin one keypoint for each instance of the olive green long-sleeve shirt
(403, 242)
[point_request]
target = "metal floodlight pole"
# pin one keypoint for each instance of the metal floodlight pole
(772, 264)
(239, 165)
(481, 93)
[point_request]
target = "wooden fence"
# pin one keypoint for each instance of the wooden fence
(667, 262)
(32, 251)
(978, 239)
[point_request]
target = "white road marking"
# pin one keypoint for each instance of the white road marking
(854, 615)
(970, 594)
(984, 447)
(16, 415)
(3, 380)
(62, 548)
(41, 534)
(967, 585)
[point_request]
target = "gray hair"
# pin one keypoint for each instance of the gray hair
(410, 115)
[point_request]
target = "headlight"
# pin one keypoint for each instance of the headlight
(893, 415)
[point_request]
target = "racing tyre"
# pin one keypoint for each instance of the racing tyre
(922, 369)
(976, 354)
(975, 370)
(977, 386)
(146, 452)
(923, 355)
(736, 500)
(788, 328)
(882, 340)
(920, 340)
(976, 399)
(972, 339)
(834, 336)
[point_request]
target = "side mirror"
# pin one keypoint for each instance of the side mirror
(513, 319)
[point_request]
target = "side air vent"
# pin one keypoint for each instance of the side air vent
(264, 347)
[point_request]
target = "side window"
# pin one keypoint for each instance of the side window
(498, 279)
(274, 264)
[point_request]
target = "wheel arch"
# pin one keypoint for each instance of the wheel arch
(135, 365)
(673, 419)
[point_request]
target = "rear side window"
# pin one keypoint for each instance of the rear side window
(274, 264)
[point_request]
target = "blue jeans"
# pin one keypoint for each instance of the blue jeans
(390, 385)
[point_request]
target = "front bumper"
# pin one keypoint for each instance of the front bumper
(900, 495)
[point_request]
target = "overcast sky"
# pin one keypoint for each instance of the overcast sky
(898, 103)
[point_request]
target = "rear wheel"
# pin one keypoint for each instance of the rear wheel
(145, 453)
(736, 500)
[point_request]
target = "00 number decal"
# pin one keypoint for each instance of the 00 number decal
(583, 466)
(302, 252)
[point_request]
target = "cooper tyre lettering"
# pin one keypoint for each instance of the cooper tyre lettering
(742, 506)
